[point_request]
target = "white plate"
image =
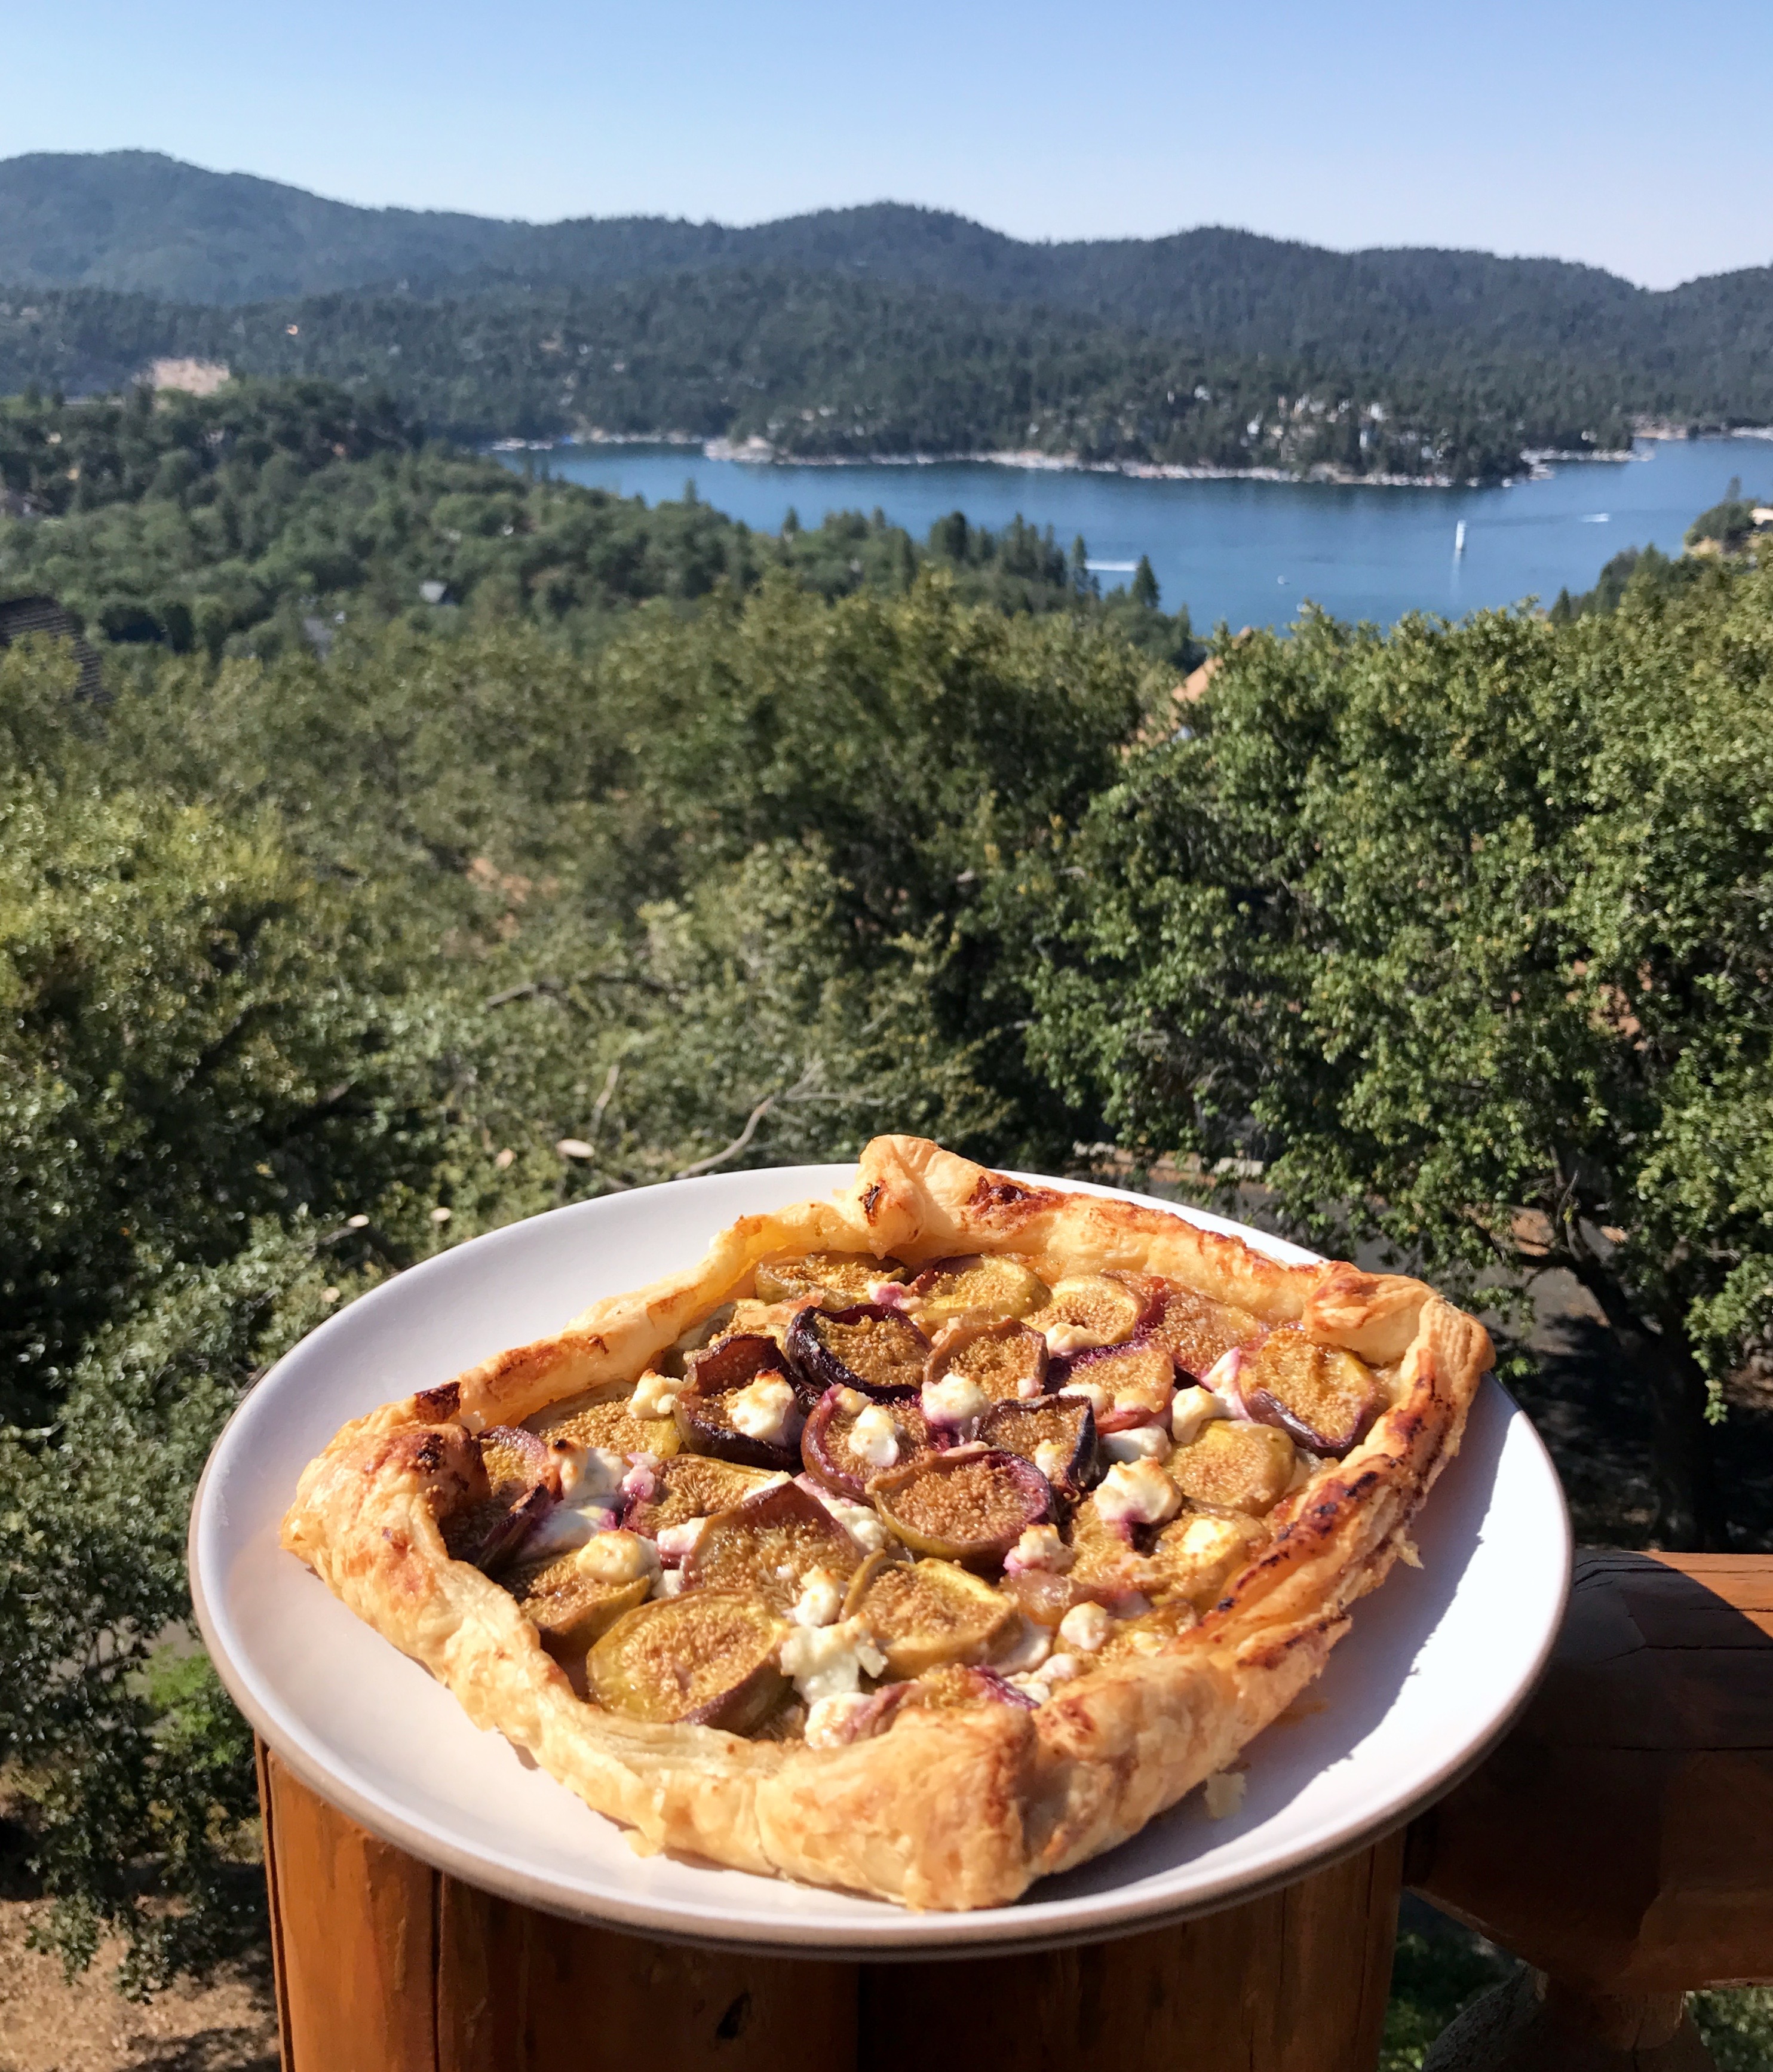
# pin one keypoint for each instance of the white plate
(1438, 1661)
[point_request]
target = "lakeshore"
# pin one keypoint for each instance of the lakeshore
(1246, 549)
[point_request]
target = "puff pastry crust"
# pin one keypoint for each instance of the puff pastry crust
(944, 1809)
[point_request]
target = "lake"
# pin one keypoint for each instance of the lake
(1249, 553)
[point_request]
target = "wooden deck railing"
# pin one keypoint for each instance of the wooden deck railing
(1620, 1840)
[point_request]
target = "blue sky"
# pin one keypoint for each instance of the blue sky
(1634, 136)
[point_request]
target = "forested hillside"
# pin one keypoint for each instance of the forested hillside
(270, 515)
(884, 329)
(823, 365)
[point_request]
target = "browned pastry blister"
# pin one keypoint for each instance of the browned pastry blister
(965, 1782)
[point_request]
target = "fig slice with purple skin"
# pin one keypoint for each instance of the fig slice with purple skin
(1005, 1358)
(924, 1614)
(1199, 1332)
(837, 1277)
(523, 1485)
(727, 1382)
(568, 1608)
(692, 1485)
(978, 1285)
(970, 1504)
(953, 1688)
(767, 1545)
(706, 1659)
(1234, 1466)
(1092, 1309)
(1321, 1396)
(1058, 1433)
(1138, 1375)
(844, 1448)
(876, 1351)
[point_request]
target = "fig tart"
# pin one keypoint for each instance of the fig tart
(920, 1542)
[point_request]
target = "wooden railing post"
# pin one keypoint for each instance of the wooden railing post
(1620, 1839)
(384, 1965)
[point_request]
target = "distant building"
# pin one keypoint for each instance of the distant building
(190, 377)
(23, 616)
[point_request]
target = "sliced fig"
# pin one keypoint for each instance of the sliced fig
(985, 1286)
(923, 1613)
(1091, 1310)
(740, 1403)
(523, 1485)
(568, 1604)
(692, 1485)
(955, 1689)
(1039, 1594)
(601, 1417)
(1139, 1375)
(1320, 1395)
(1056, 1433)
(768, 1544)
(837, 1277)
(1196, 1555)
(1234, 1466)
(876, 1351)
(971, 1505)
(844, 1447)
(706, 1659)
(1005, 1358)
(1197, 1331)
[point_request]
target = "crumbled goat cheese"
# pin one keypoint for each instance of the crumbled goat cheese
(820, 1599)
(1040, 1546)
(832, 1722)
(956, 1399)
(765, 1409)
(667, 1582)
(1224, 1794)
(677, 1540)
(589, 1472)
(867, 1530)
(568, 1525)
(852, 1402)
(1029, 1645)
(1136, 1492)
(1092, 1393)
(1084, 1627)
(656, 1395)
(1138, 1442)
(873, 1438)
(1223, 1378)
(889, 1294)
(618, 1557)
(829, 1661)
(1064, 1339)
(1193, 1410)
(1061, 1668)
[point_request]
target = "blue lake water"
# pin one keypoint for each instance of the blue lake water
(1249, 553)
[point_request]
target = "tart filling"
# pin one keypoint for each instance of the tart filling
(990, 1468)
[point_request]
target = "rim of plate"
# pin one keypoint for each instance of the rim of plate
(1030, 1924)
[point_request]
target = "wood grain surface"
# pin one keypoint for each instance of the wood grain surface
(384, 1965)
(1621, 1837)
